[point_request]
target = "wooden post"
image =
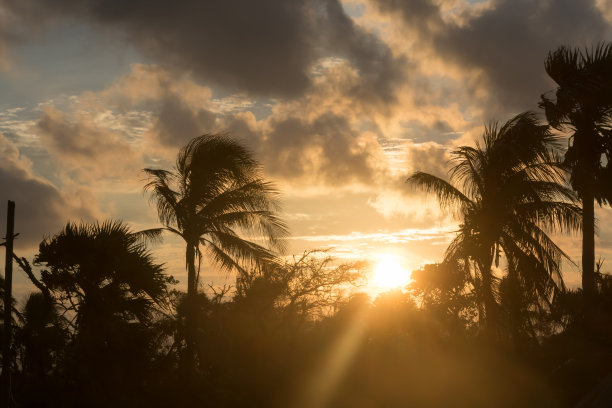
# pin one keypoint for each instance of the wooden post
(8, 296)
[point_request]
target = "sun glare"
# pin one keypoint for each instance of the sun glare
(389, 273)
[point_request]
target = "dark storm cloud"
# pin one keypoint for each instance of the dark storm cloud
(508, 41)
(40, 207)
(263, 47)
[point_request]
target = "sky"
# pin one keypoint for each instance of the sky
(339, 100)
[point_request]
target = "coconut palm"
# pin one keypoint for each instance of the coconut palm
(506, 191)
(214, 195)
(583, 106)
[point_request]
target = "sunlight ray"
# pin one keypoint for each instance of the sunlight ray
(332, 367)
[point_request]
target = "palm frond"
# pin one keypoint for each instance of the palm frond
(460, 247)
(554, 216)
(210, 162)
(240, 251)
(253, 195)
(448, 196)
(264, 223)
(222, 259)
(163, 195)
(149, 236)
(470, 162)
(562, 65)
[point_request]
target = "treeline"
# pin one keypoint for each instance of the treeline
(291, 335)
(491, 325)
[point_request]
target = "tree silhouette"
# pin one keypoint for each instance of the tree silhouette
(308, 287)
(43, 337)
(15, 315)
(583, 105)
(215, 193)
(506, 191)
(445, 291)
(43, 334)
(101, 269)
(104, 278)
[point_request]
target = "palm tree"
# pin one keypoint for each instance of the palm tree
(215, 193)
(102, 272)
(105, 279)
(583, 106)
(506, 191)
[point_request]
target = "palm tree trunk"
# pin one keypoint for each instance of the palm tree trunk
(490, 305)
(488, 295)
(189, 363)
(589, 287)
(514, 302)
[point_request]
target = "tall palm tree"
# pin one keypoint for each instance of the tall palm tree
(506, 191)
(583, 106)
(214, 194)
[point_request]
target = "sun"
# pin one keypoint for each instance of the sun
(389, 273)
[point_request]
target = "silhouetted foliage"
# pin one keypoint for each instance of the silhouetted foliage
(583, 105)
(308, 287)
(43, 338)
(507, 191)
(109, 289)
(445, 291)
(215, 193)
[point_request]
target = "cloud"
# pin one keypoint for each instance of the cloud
(264, 48)
(314, 139)
(326, 148)
(395, 197)
(89, 151)
(379, 70)
(429, 157)
(396, 204)
(40, 207)
(324, 139)
(504, 44)
(174, 108)
(176, 122)
(418, 14)
(439, 131)
(401, 236)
